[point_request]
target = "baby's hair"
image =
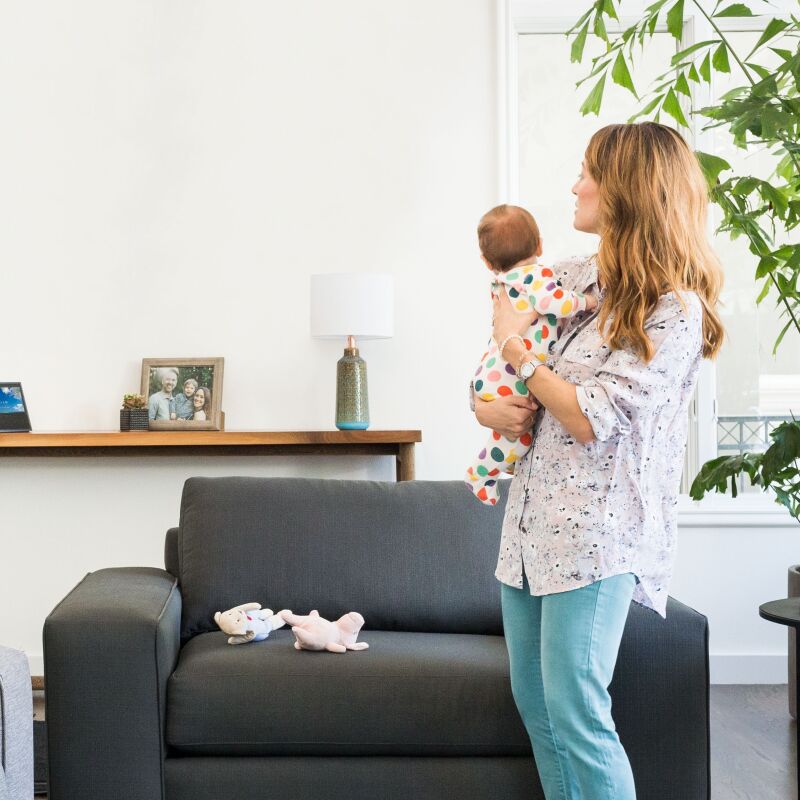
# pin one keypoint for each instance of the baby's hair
(507, 235)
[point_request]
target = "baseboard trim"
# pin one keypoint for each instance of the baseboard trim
(748, 668)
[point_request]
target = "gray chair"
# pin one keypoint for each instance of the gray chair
(16, 726)
(146, 700)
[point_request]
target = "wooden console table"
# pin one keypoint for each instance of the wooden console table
(399, 444)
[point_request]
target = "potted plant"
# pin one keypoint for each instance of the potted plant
(133, 415)
(778, 469)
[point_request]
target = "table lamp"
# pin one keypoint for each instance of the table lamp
(351, 306)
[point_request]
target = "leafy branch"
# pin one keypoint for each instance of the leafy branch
(776, 468)
(765, 112)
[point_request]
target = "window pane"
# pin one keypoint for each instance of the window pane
(553, 135)
(754, 388)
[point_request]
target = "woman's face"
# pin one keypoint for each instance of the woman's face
(587, 201)
(199, 398)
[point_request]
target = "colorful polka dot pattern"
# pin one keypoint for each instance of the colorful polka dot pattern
(531, 288)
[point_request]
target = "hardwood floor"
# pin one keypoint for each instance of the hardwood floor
(752, 744)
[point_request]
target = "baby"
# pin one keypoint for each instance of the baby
(510, 245)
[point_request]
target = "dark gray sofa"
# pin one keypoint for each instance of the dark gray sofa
(146, 700)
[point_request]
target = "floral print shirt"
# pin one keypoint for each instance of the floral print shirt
(577, 513)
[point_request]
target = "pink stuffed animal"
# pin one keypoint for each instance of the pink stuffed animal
(315, 633)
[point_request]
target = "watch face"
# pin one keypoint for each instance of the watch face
(526, 370)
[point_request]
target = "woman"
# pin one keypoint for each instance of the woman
(591, 514)
(201, 403)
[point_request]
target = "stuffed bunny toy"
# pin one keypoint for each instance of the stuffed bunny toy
(315, 633)
(248, 623)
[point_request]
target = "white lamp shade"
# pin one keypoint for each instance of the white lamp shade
(356, 304)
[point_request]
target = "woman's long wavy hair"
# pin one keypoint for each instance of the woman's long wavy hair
(653, 203)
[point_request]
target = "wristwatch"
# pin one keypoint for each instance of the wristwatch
(526, 369)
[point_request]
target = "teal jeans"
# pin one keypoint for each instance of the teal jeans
(562, 649)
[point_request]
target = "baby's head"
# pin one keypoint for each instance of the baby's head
(508, 235)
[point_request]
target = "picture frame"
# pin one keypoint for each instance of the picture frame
(14, 416)
(177, 392)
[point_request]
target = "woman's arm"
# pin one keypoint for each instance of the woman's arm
(509, 416)
(558, 396)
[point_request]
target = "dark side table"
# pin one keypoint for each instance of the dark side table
(787, 612)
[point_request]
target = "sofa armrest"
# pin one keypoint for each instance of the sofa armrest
(109, 648)
(16, 725)
(660, 697)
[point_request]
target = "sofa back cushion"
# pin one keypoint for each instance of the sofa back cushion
(410, 556)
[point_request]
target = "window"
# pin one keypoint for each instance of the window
(745, 393)
(552, 135)
(756, 390)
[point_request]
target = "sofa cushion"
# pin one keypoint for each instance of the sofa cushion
(410, 556)
(410, 694)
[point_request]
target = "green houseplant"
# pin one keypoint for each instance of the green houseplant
(133, 415)
(763, 112)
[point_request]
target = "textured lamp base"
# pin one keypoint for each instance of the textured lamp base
(352, 401)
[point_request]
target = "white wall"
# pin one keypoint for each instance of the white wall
(172, 173)
(729, 561)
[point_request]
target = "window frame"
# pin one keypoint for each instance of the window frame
(517, 18)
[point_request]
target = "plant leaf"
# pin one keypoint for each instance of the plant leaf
(673, 108)
(720, 60)
(648, 108)
(736, 10)
(580, 22)
(693, 76)
(598, 69)
(600, 27)
(765, 266)
(711, 166)
(762, 72)
(591, 105)
(578, 44)
(774, 27)
(679, 56)
(715, 474)
(786, 55)
(682, 86)
(705, 68)
(608, 8)
(656, 7)
(621, 75)
(778, 341)
(774, 196)
(675, 20)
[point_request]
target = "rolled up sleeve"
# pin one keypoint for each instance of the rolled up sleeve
(627, 389)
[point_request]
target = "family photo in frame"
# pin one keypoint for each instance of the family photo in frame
(183, 393)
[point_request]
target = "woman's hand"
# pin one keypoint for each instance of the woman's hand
(507, 321)
(509, 416)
